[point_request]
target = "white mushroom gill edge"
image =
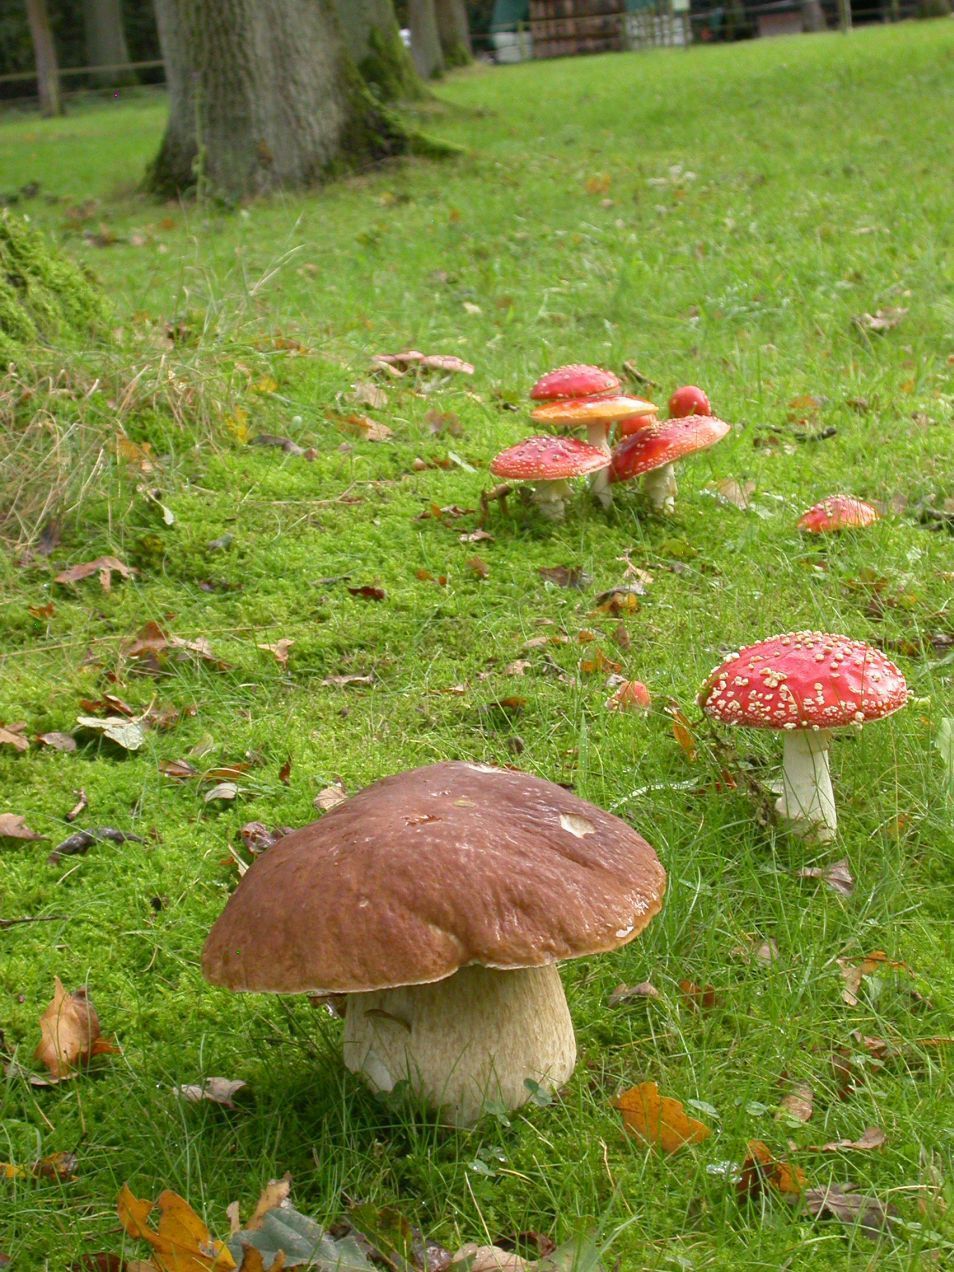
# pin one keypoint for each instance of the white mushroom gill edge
(807, 801)
(660, 488)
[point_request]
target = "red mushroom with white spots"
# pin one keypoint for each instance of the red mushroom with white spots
(576, 380)
(805, 684)
(546, 463)
(596, 415)
(655, 450)
(838, 512)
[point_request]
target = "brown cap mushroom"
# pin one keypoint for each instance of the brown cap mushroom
(439, 900)
(806, 684)
(547, 462)
(838, 512)
(654, 451)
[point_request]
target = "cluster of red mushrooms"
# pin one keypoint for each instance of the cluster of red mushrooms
(582, 397)
(471, 882)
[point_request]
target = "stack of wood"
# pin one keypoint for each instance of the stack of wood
(562, 28)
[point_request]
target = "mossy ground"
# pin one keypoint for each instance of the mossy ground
(720, 217)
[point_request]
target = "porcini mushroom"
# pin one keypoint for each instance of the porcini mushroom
(805, 684)
(440, 901)
(838, 512)
(596, 415)
(655, 450)
(546, 463)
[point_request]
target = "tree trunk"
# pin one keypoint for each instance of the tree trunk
(106, 41)
(373, 39)
(425, 38)
(263, 96)
(813, 16)
(454, 32)
(44, 50)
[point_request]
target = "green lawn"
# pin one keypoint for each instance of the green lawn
(719, 216)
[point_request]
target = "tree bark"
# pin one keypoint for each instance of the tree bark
(106, 40)
(44, 50)
(263, 96)
(373, 39)
(813, 16)
(454, 32)
(425, 38)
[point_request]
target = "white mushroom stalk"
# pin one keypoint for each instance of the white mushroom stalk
(807, 801)
(550, 498)
(597, 435)
(660, 488)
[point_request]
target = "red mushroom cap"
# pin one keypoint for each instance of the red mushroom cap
(689, 400)
(664, 444)
(635, 424)
(837, 512)
(578, 412)
(804, 680)
(548, 459)
(576, 380)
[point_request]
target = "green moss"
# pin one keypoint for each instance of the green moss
(456, 55)
(388, 70)
(44, 298)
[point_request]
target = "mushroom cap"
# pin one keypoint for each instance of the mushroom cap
(578, 412)
(838, 512)
(635, 424)
(689, 400)
(576, 380)
(548, 459)
(429, 871)
(804, 680)
(664, 444)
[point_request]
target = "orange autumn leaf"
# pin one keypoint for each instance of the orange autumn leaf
(682, 731)
(761, 1169)
(658, 1119)
(69, 1032)
(181, 1242)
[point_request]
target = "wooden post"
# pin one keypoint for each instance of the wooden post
(844, 16)
(44, 50)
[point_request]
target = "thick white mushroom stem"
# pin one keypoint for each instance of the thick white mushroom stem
(807, 800)
(660, 487)
(550, 497)
(461, 1042)
(597, 434)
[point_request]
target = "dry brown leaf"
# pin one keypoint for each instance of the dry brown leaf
(476, 536)
(280, 649)
(631, 993)
(367, 393)
(338, 682)
(221, 790)
(367, 429)
(152, 640)
(13, 826)
(273, 1194)
(12, 735)
(479, 566)
(699, 997)
(730, 490)
(873, 1137)
(214, 1090)
(761, 1169)
(682, 731)
(799, 1103)
(834, 1202)
(104, 566)
(57, 741)
(659, 1120)
(70, 1032)
(331, 796)
(59, 1166)
(477, 1258)
(368, 593)
(882, 319)
(181, 1242)
(838, 876)
(854, 970)
(572, 576)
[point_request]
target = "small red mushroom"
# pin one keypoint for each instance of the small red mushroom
(654, 451)
(689, 400)
(596, 415)
(546, 463)
(630, 695)
(576, 380)
(805, 684)
(838, 512)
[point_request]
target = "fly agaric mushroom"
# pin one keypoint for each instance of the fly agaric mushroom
(838, 512)
(440, 901)
(596, 415)
(576, 380)
(654, 451)
(689, 400)
(546, 463)
(805, 684)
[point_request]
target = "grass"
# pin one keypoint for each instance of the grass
(718, 216)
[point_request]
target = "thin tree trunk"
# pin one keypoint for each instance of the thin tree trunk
(454, 32)
(813, 16)
(44, 50)
(425, 38)
(106, 40)
(373, 39)
(263, 96)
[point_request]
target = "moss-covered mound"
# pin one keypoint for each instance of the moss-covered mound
(44, 297)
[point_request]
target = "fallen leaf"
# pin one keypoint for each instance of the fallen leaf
(280, 650)
(273, 1194)
(152, 640)
(368, 430)
(13, 826)
(340, 681)
(330, 797)
(564, 575)
(258, 838)
(58, 1166)
(129, 734)
(479, 566)
(104, 566)
(368, 593)
(222, 790)
(659, 1120)
(42, 611)
(70, 1032)
(284, 444)
(682, 731)
(214, 1090)
(699, 997)
(881, 320)
(81, 840)
(799, 1103)
(761, 1169)
(57, 741)
(838, 876)
(872, 1216)
(476, 536)
(439, 422)
(478, 1258)
(367, 393)
(873, 1137)
(854, 970)
(179, 770)
(12, 735)
(599, 664)
(729, 490)
(631, 993)
(181, 1242)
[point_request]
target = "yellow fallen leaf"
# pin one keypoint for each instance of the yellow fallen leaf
(69, 1032)
(181, 1241)
(761, 1168)
(658, 1119)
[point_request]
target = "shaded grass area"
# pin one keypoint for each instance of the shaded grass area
(717, 216)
